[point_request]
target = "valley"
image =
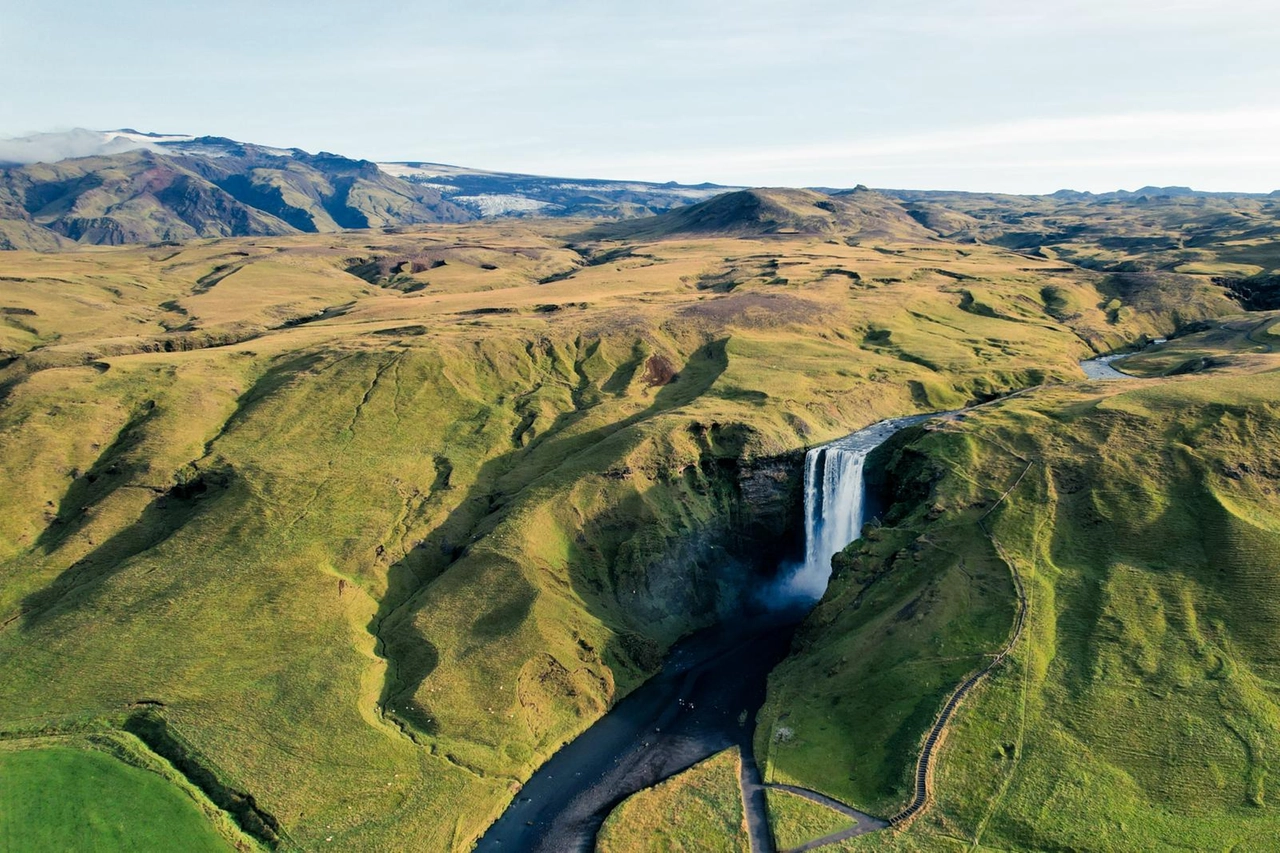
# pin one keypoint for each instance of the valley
(350, 532)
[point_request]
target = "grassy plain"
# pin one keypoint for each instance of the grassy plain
(62, 798)
(698, 810)
(795, 820)
(373, 546)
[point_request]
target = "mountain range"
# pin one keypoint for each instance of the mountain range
(118, 187)
(125, 186)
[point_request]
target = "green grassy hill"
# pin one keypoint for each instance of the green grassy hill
(357, 552)
(65, 798)
(1138, 710)
(858, 213)
(795, 820)
(697, 810)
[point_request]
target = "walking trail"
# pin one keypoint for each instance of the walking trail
(923, 794)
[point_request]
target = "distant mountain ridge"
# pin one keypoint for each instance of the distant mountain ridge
(180, 188)
(124, 186)
(1158, 192)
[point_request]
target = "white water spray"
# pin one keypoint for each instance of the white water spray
(835, 504)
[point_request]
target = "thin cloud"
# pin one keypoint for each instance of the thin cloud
(1195, 138)
(822, 92)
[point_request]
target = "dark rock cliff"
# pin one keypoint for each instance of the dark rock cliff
(712, 570)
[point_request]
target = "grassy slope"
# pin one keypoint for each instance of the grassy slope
(910, 612)
(1140, 710)
(369, 563)
(62, 798)
(700, 809)
(795, 820)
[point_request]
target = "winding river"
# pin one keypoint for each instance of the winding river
(1100, 367)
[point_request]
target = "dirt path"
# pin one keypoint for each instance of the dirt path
(864, 823)
(1249, 335)
(925, 764)
(754, 806)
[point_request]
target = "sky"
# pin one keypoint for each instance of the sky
(994, 95)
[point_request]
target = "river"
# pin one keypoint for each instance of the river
(1100, 367)
(703, 701)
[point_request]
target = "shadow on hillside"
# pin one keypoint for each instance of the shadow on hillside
(112, 469)
(115, 468)
(410, 654)
(163, 517)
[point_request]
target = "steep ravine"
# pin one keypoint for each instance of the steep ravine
(703, 697)
(712, 683)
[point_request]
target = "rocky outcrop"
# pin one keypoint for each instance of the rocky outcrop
(770, 487)
(700, 575)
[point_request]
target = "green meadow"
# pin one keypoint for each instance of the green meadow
(59, 798)
(697, 810)
(795, 820)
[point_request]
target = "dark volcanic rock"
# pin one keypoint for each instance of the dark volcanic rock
(715, 570)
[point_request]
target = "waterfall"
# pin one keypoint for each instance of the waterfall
(834, 504)
(833, 513)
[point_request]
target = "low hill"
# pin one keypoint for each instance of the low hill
(767, 212)
(21, 233)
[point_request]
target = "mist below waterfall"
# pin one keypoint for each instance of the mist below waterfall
(834, 509)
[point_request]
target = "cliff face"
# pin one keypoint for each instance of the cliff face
(714, 570)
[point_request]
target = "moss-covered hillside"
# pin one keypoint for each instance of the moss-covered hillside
(1138, 709)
